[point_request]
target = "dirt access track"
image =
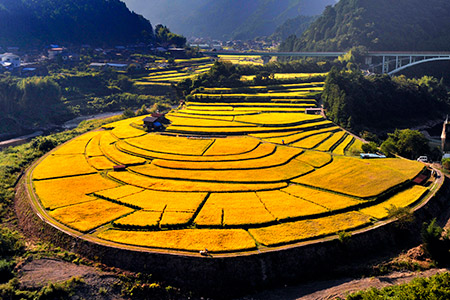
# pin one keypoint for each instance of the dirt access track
(229, 274)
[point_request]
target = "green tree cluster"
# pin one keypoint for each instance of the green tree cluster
(406, 143)
(359, 102)
(164, 36)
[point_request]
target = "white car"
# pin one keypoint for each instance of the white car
(423, 159)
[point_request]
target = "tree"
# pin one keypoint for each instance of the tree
(407, 143)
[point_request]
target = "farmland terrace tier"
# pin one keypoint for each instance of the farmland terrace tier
(268, 204)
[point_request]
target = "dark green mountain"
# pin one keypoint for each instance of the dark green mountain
(412, 25)
(226, 19)
(295, 26)
(28, 23)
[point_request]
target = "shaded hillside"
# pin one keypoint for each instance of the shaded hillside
(379, 25)
(295, 26)
(96, 22)
(227, 19)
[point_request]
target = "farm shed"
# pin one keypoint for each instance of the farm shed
(313, 111)
(153, 122)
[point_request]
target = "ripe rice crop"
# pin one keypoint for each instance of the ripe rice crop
(152, 83)
(101, 163)
(140, 218)
(191, 122)
(123, 123)
(174, 218)
(281, 156)
(232, 146)
(285, 206)
(215, 240)
(296, 136)
(193, 112)
(55, 166)
(93, 148)
(356, 147)
(308, 229)
(281, 76)
(258, 96)
(331, 201)
(204, 107)
(60, 192)
(333, 141)
(252, 105)
(171, 144)
(76, 146)
(342, 146)
(107, 144)
(89, 215)
(247, 130)
(125, 132)
(315, 159)
(196, 117)
(268, 119)
(236, 208)
(192, 186)
(260, 151)
(402, 199)
(292, 169)
(118, 192)
(313, 141)
(169, 201)
(362, 178)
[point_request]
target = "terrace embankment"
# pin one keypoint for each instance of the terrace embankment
(227, 275)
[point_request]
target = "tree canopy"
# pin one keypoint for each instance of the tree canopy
(28, 23)
(401, 25)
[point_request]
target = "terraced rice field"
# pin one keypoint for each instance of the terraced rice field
(242, 60)
(183, 69)
(229, 176)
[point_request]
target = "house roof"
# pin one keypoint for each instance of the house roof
(150, 119)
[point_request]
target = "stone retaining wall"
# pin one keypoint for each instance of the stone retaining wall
(228, 275)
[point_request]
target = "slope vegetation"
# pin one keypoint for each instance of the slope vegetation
(412, 25)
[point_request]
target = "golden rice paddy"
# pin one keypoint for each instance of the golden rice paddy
(226, 176)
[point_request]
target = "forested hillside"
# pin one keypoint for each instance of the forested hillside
(227, 19)
(412, 25)
(381, 102)
(28, 23)
(295, 26)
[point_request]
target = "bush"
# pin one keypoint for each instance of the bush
(369, 148)
(446, 163)
(10, 243)
(435, 243)
(43, 144)
(6, 270)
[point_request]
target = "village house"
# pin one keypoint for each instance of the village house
(9, 60)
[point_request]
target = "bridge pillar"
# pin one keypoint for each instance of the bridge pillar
(266, 59)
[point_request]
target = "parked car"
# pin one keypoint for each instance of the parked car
(423, 159)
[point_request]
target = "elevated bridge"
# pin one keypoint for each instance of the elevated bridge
(384, 62)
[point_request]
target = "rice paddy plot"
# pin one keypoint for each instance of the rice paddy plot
(281, 156)
(89, 215)
(55, 193)
(307, 229)
(179, 185)
(362, 178)
(171, 144)
(194, 240)
(402, 199)
(292, 169)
